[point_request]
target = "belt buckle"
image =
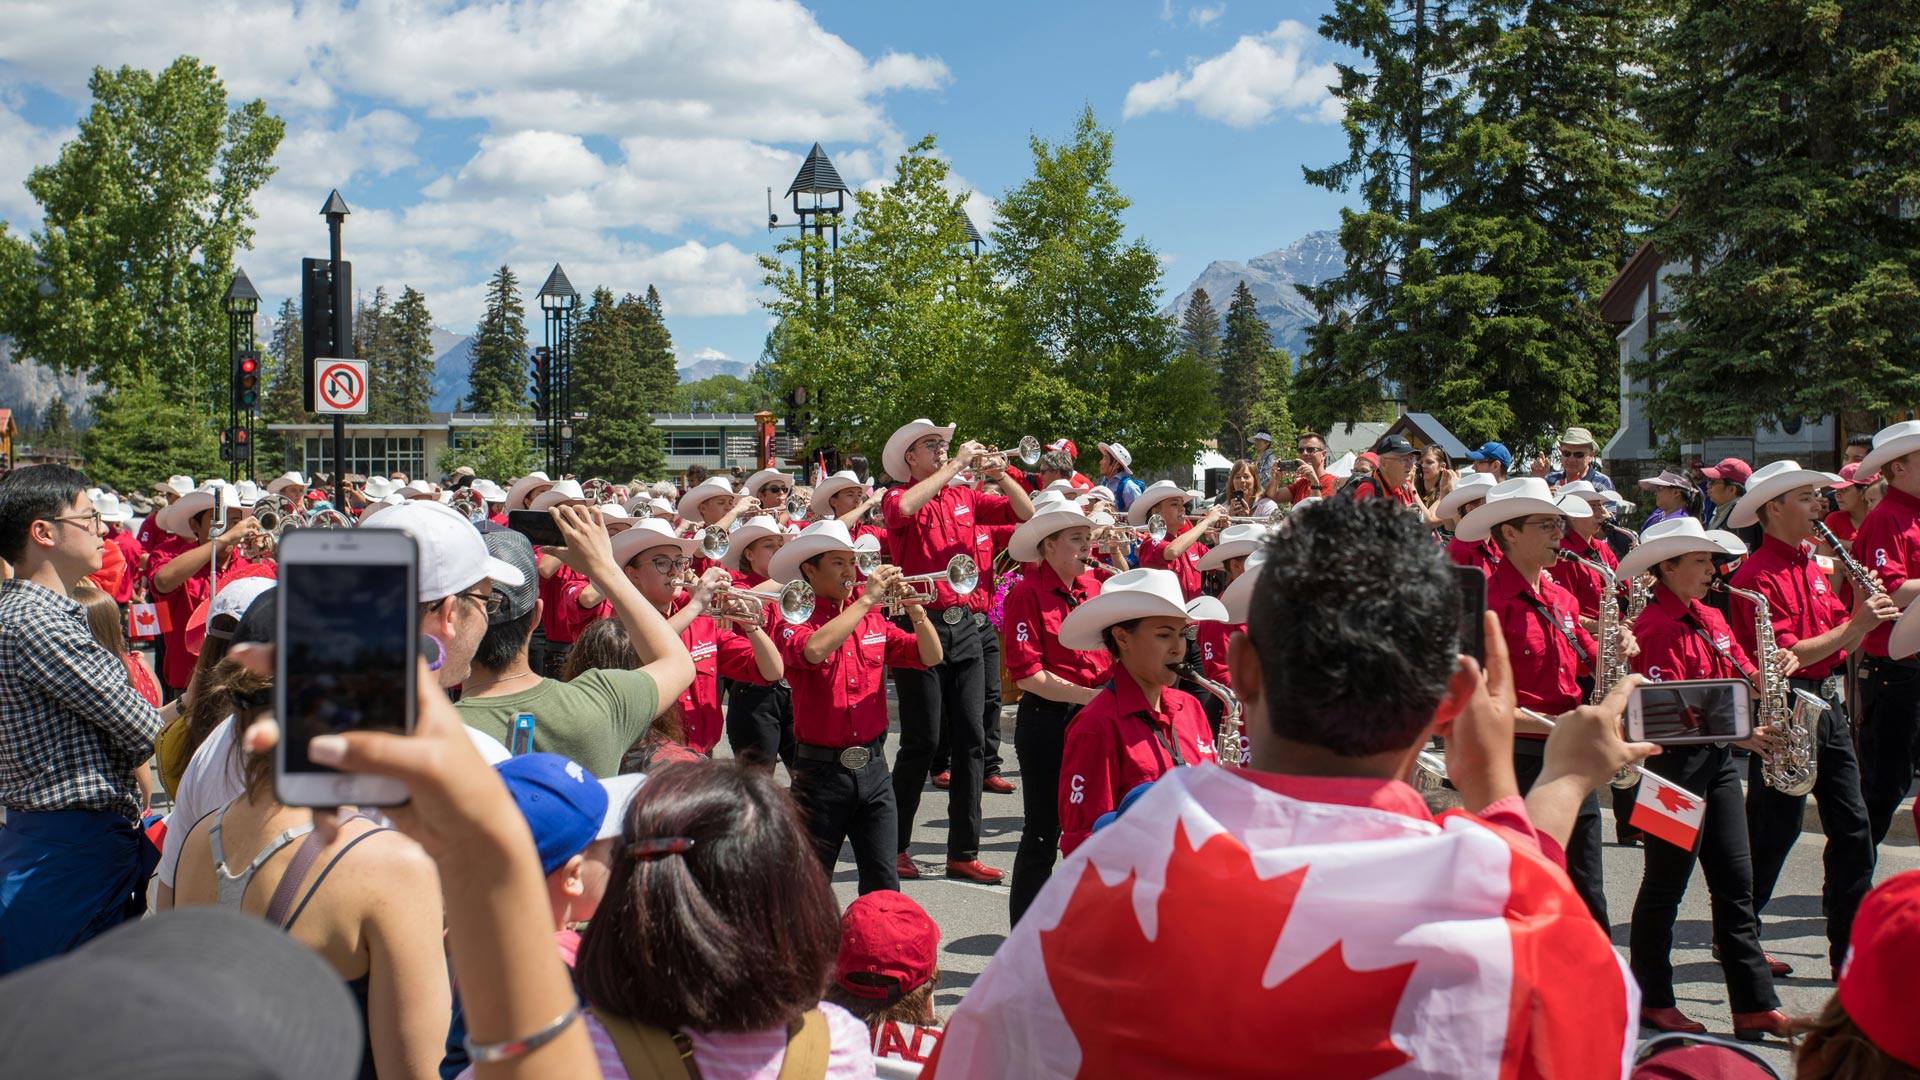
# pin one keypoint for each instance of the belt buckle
(952, 616)
(980, 619)
(1834, 687)
(855, 758)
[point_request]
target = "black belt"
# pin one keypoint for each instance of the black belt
(851, 758)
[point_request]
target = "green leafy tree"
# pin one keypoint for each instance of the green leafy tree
(1274, 414)
(405, 388)
(502, 449)
(141, 215)
(1792, 161)
(723, 394)
(145, 431)
(1200, 329)
(499, 370)
(623, 372)
(282, 402)
(1244, 352)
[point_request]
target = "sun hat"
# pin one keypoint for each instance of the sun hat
(761, 479)
(418, 489)
(1769, 483)
(824, 491)
(1876, 979)
(247, 492)
(489, 491)
(755, 528)
(291, 478)
(816, 539)
(464, 470)
(236, 595)
(1511, 499)
(711, 487)
(1890, 443)
(1492, 451)
(1729, 471)
(1049, 517)
(1470, 486)
(1579, 436)
(453, 557)
(886, 934)
(1157, 492)
(379, 487)
(647, 535)
(1671, 539)
(562, 491)
(1238, 596)
(1582, 489)
(1136, 594)
(111, 509)
(177, 517)
(563, 804)
(894, 457)
(1668, 478)
(1117, 452)
(1235, 541)
(179, 485)
(394, 499)
(1261, 436)
(521, 491)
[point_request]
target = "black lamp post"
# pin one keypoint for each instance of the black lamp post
(558, 299)
(974, 239)
(242, 302)
(816, 179)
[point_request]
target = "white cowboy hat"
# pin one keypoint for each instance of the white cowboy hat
(247, 492)
(647, 535)
(712, 486)
(755, 528)
(1671, 539)
(395, 499)
(761, 479)
(1512, 499)
(1156, 492)
(1583, 489)
(1905, 640)
(894, 457)
(816, 539)
(179, 485)
(1100, 518)
(562, 491)
(661, 508)
(1049, 517)
(489, 491)
(1117, 452)
(1064, 487)
(177, 518)
(824, 491)
(1238, 597)
(1768, 483)
(1894, 442)
(1235, 541)
(1136, 594)
(523, 489)
(111, 508)
(1098, 493)
(286, 480)
(614, 518)
(418, 489)
(1206, 609)
(378, 488)
(1617, 501)
(1470, 486)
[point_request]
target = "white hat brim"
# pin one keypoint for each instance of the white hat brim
(689, 505)
(1024, 544)
(1651, 553)
(1081, 628)
(743, 538)
(1478, 525)
(1217, 556)
(785, 565)
(1746, 509)
(1156, 493)
(824, 492)
(759, 480)
(894, 457)
(177, 517)
(639, 538)
(1449, 505)
(1878, 457)
(519, 493)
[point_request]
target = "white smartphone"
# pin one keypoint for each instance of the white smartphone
(1690, 712)
(346, 636)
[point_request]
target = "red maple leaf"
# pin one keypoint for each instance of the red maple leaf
(1672, 799)
(1189, 1002)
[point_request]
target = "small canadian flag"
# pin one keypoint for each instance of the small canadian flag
(143, 621)
(1668, 811)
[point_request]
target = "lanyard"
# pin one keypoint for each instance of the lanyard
(1171, 746)
(1546, 613)
(1694, 625)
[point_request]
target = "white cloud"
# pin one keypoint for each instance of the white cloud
(1260, 75)
(1204, 16)
(22, 147)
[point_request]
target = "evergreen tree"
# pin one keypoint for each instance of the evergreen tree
(145, 430)
(617, 385)
(1243, 372)
(1274, 414)
(372, 332)
(502, 449)
(1792, 157)
(56, 426)
(500, 347)
(1200, 329)
(282, 402)
(653, 303)
(409, 379)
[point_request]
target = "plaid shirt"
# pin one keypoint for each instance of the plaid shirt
(72, 729)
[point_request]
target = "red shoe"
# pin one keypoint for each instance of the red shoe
(997, 786)
(1753, 1027)
(974, 870)
(942, 780)
(1780, 968)
(1672, 1020)
(904, 866)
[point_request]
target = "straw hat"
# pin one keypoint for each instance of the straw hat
(816, 539)
(1514, 499)
(1769, 483)
(1673, 538)
(1136, 594)
(894, 458)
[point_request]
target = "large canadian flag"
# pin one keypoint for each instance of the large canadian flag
(1219, 929)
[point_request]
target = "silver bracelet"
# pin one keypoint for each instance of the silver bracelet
(488, 1053)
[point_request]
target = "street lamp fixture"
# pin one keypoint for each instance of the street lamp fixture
(558, 300)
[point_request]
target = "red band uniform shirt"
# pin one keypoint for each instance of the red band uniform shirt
(1116, 743)
(1686, 639)
(1888, 543)
(1033, 612)
(1583, 581)
(1800, 602)
(1485, 554)
(716, 653)
(181, 602)
(1153, 556)
(1541, 626)
(946, 526)
(841, 701)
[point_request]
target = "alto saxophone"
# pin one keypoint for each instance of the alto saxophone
(1226, 745)
(1792, 770)
(1613, 664)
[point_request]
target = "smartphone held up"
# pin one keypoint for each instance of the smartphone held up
(1690, 712)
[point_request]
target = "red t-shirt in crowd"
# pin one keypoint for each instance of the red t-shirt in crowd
(1546, 665)
(945, 527)
(1376, 485)
(1117, 742)
(1888, 543)
(1800, 603)
(1305, 489)
(1682, 639)
(131, 553)
(1033, 612)
(842, 700)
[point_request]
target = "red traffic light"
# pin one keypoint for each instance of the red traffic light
(240, 436)
(248, 365)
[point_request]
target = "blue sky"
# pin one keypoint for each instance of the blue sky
(633, 141)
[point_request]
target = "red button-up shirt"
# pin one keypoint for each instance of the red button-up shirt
(1153, 556)
(1485, 554)
(715, 653)
(1033, 612)
(555, 606)
(1116, 743)
(841, 701)
(1304, 489)
(1800, 603)
(567, 617)
(1545, 666)
(1213, 638)
(1583, 581)
(180, 604)
(1840, 524)
(1888, 543)
(1674, 637)
(945, 527)
(878, 533)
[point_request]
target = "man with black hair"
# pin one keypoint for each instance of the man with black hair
(73, 862)
(1857, 449)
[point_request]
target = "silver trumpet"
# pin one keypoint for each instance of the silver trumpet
(797, 599)
(469, 504)
(714, 542)
(742, 607)
(798, 507)
(961, 575)
(640, 510)
(1117, 539)
(1274, 518)
(275, 515)
(1429, 772)
(328, 519)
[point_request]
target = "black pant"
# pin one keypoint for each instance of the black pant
(760, 721)
(168, 691)
(1709, 772)
(1889, 736)
(1040, 738)
(838, 804)
(1773, 824)
(930, 702)
(989, 716)
(1584, 865)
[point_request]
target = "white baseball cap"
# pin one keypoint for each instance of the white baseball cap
(453, 555)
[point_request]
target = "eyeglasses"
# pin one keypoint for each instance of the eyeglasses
(665, 565)
(92, 518)
(776, 489)
(1581, 454)
(492, 601)
(1554, 524)
(933, 446)
(1313, 449)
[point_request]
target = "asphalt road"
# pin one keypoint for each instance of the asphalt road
(973, 918)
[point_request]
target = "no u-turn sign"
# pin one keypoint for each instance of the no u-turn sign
(339, 386)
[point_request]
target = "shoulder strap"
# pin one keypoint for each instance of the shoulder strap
(297, 871)
(328, 869)
(1546, 614)
(647, 1052)
(809, 1044)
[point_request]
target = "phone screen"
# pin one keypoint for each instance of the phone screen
(1683, 713)
(347, 656)
(537, 526)
(1473, 604)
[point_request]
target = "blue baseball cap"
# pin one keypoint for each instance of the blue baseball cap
(1492, 451)
(562, 802)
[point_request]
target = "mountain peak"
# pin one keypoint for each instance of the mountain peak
(1271, 278)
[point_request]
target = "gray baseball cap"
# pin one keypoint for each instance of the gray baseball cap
(516, 551)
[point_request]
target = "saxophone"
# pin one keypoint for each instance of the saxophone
(1226, 745)
(1613, 664)
(1790, 771)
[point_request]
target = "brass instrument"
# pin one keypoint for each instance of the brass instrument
(599, 491)
(275, 515)
(1792, 770)
(641, 510)
(962, 575)
(742, 607)
(993, 457)
(714, 542)
(798, 507)
(328, 519)
(1274, 518)
(1613, 659)
(796, 600)
(1863, 579)
(469, 504)
(866, 560)
(1429, 772)
(1118, 539)
(1227, 745)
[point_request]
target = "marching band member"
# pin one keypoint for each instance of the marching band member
(1583, 539)
(712, 503)
(1809, 620)
(845, 498)
(519, 493)
(289, 485)
(1116, 475)
(496, 500)
(1464, 499)
(1137, 726)
(1682, 638)
(561, 618)
(580, 604)
(928, 523)
(836, 660)
(1180, 550)
(1888, 543)
(1547, 646)
(769, 488)
(759, 710)
(989, 541)
(1229, 557)
(182, 575)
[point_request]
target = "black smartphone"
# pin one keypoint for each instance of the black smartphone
(1289, 465)
(1473, 606)
(1690, 712)
(537, 526)
(346, 636)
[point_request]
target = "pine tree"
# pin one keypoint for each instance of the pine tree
(500, 347)
(143, 431)
(282, 402)
(409, 381)
(1200, 330)
(1274, 413)
(372, 333)
(653, 303)
(56, 426)
(1243, 369)
(617, 385)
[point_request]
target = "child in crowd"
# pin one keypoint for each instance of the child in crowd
(886, 975)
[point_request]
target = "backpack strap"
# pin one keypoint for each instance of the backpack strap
(809, 1045)
(647, 1052)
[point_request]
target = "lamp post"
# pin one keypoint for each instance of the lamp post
(558, 300)
(241, 303)
(816, 179)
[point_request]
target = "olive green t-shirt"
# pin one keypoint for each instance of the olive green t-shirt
(592, 720)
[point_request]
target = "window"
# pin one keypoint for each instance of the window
(370, 456)
(693, 444)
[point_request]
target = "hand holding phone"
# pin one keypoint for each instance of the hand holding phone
(537, 526)
(1690, 712)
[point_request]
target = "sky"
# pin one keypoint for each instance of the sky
(633, 142)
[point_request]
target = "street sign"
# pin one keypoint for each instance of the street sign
(339, 386)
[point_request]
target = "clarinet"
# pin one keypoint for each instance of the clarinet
(1862, 578)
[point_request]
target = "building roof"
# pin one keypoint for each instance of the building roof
(6, 420)
(817, 176)
(1617, 303)
(1431, 432)
(557, 284)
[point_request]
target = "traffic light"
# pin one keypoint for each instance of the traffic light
(226, 444)
(542, 376)
(246, 381)
(233, 443)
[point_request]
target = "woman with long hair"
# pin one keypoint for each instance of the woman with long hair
(1434, 477)
(1242, 491)
(605, 644)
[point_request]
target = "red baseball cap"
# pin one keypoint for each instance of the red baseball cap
(1064, 444)
(1731, 470)
(1850, 476)
(1876, 980)
(885, 933)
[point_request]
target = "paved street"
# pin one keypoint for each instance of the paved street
(973, 918)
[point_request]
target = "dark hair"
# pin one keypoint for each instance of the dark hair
(857, 464)
(1862, 439)
(1305, 435)
(103, 618)
(35, 493)
(604, 644)
(913, 1007)
(737, 933)
(1355, 618)
(1106, 635)
(1834, 1048)
(503, 641)
(695, 475)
